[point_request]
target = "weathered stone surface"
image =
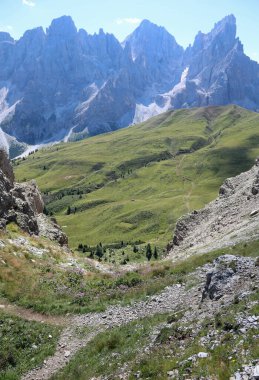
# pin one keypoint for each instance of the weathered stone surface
(6, 166)
(64, 81)
(22, 204)
(50, 229)
(231, 218)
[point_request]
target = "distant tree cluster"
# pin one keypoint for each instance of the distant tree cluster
(99, 251)
(150, 253)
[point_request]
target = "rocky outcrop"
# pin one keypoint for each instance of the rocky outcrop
(22, 204)
(67, 84)
(6, 168)
(50, 229)
(233, 217)
(218, 280)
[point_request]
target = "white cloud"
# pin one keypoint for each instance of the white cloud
(133, 21)
(30, 3)
(6, 28)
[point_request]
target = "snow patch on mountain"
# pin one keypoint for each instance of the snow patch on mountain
(6, 110)
(181, 86)
(94, 90)
(143, 113)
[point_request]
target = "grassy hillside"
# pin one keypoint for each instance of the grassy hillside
(133, 184)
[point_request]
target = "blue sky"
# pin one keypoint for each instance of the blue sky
(182, 18)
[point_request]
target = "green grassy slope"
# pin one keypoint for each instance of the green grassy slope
(134, 183)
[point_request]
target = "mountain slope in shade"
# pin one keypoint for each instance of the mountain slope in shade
(67, 84)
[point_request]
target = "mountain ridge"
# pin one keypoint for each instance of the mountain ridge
(65, 84)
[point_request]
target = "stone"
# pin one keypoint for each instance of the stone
(22, 203)
(223, 222)
(173, 374)
(256, 372)
(202, 355)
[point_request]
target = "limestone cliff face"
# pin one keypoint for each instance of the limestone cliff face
(22, 204)
(65, 83)
(231, 218)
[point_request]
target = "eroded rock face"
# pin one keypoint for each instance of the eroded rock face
(29, 193)
(231, 218)
(22, 204)
(218, 280)
(5, 167)
(50, 229)
(63, 82)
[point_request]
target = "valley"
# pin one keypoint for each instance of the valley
(80, 315)
(171, 164)
(129, 190)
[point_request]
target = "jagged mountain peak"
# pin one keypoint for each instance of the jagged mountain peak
(67, 80)
(223, 33)
(150, 40)
(226, 28)
(229, 20)
(148, 30)
(62, 26)
(149, 25)
(33, 34)
(6, 37)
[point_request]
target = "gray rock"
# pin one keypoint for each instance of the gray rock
(228, 220)
(256, 372)
(67, 84)
(202, 355)
(22, 204)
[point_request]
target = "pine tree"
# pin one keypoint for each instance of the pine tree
(135, 248)
(148, 252)
(68, 210)
(155, 253)
(99, 251)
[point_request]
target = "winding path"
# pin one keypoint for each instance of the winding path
(173, 298)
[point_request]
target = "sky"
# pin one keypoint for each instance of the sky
(182, 18)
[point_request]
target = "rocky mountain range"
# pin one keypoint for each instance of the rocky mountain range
(64, 84)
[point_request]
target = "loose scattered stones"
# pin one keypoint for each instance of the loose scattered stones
(172, 299)
(231, 218)
(248, 372)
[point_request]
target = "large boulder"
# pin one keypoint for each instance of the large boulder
(22, 203)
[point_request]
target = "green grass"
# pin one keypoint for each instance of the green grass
(110, 349)
(133, 184)
(45, 286)
(175, 343)
(233, 351)
(24, 345)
